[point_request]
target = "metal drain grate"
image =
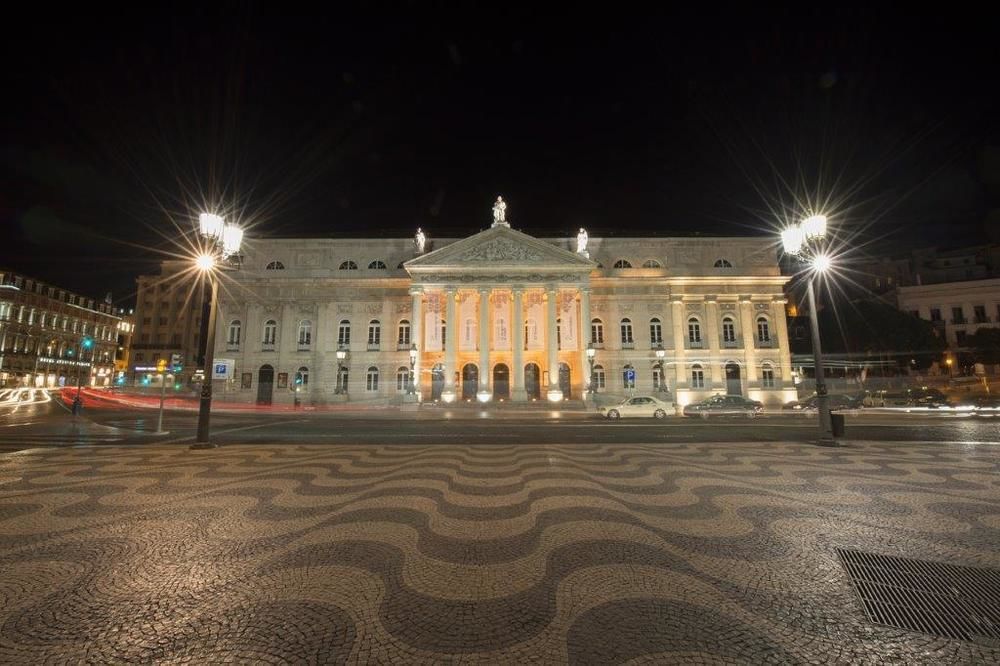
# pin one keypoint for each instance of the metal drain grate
(929, 597)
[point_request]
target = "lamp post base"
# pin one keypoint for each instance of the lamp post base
(197, 446)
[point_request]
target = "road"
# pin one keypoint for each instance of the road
(35, 420)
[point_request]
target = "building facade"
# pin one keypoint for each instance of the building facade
(43, 330)
(957, 309)
(168, 318)
(501, 315)
(123, 351)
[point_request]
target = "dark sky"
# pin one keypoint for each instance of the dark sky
(119, 125)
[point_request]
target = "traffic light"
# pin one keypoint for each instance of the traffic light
(87, 343)
(161, 366)
(175, 363)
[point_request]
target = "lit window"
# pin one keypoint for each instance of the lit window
(302, 376)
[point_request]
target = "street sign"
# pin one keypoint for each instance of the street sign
(630, 375)
(222, 368)
(176, 362)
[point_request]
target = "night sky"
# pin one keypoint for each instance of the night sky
(119, 126)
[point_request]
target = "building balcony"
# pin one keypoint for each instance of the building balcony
(374, 346)
(694, 344)
(402, 346)
(304, 346)
(982, 320)
(267, 346)
(628, 345)
(598, 345)
(232, 347)
(764, 344)
(730, 344)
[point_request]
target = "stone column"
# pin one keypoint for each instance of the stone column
(552, 344)
(517, 390)
(780, 322)
(416, 326)
(749, 339)
(451, 347)
(714, 348)
(484, 394)
(679, 325)
(585, 338)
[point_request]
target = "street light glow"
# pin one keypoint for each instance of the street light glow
(205, 262)
(232, 239)
(211, 225)
(791, 239)
(814, 226)
(821, 263)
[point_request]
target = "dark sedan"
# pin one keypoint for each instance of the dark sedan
(810, 404)
(724, 405)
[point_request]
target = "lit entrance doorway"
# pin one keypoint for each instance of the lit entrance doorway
(733, 384)
(437, 381)
(564, 380)
(532, 381)
(470, 381)
(501, 382)
(265, 385)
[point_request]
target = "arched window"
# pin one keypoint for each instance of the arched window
(305, 333)
(403, 338)
(767, 375)
(274, 266)
(694, 330)
(377, 265)
(655, 332)
(374, 334)
(302, 377)
(371, 379)
(348, 266)
(626, 327)
(722, 263)
(233, 337)
(599, 378)
(402, 379)
(763, 330)
(651, 263)
(270, 334)
(628, 376)
(728, 330)
(623, 263)
(597, 332)
(344, 333)
(697, 377)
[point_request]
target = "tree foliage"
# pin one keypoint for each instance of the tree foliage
(985, 345)
(865, 328)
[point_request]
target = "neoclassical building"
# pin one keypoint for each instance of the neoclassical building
(502, 315)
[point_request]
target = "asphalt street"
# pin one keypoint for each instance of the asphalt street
(43, 422)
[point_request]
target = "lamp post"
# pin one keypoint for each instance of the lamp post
(341, 356)
(950, 362)
(413, 364)
(660, 354)
(221, 247)
(591, 353)
(85, 343)
(804, 241)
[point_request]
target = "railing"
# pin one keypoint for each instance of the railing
(598, 345)
(694, 344)
(959, 320)
(764, 344)
(304, 346)
(730, 344)
(231, 346)
(267, 346)
(982, 320)
(628, 345)
(402, 346)
(374, 346)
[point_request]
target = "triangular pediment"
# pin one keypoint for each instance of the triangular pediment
(500, 247)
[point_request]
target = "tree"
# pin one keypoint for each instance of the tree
(985, 345)
(868, 328)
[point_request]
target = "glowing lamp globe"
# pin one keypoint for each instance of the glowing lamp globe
(205, 262)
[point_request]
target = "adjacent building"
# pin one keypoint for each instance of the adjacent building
(168, 317)
(123, 351)
(957, 309)
(51, 337)
(499, 315)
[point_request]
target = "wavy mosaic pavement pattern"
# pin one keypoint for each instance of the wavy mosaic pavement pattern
(478, 554)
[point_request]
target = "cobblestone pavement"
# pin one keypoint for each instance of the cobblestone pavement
(479, 554)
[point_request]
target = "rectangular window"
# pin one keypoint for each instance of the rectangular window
(980, 313)
(728, 331)
(597, 333)
(146, 321)
(694, 331)
(960, 337)
(957, 317)
(935, 314)
(163, 321)
(599, 378)
(697, 378)
(767, 377)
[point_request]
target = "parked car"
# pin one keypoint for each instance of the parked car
(637, 406)
(928, 397)
(838, 401)
(724, 405)
(987, 405)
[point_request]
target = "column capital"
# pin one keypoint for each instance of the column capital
(517, 289)
(449, 290)
(551, 288)
(484, 290)
(416, 291)
(584, 290)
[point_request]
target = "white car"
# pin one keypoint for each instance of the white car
(639, 406)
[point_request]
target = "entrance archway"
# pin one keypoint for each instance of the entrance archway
(437, 381)
(564, 380)
(501, 382)
(733, 384)
(470, 381)
(532, 381)
(265, 385)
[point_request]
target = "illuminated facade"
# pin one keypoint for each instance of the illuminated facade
(502, 315)
(42, 333)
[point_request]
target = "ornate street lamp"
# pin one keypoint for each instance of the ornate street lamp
(660, 354)
(413, 364)
(341, 357)
(804, 241)
(591, 353)
(221, 251)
